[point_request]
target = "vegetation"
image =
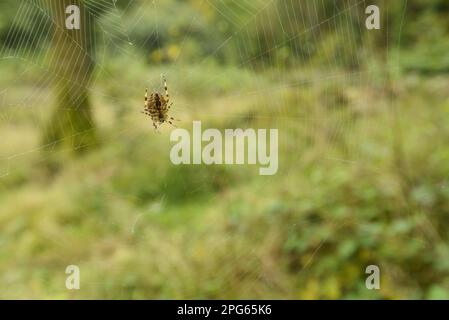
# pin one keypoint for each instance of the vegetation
(363, 121)
(72, 62)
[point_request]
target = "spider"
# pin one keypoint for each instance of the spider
(157, 107)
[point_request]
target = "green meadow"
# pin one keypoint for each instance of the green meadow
(363, 120)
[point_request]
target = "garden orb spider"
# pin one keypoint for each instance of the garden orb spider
(157, 107)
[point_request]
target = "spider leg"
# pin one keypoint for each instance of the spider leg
(156, 128)
(166, 90)
(172, 123)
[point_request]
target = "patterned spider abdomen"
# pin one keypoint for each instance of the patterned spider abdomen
(157, 106)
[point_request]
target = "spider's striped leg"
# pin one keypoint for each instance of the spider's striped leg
(171, 122)
(146, 95)
(156, 128)
(166, 90)
(169, 106)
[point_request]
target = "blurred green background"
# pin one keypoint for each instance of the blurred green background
(363, 119)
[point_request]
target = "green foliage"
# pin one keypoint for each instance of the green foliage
(322, 33)
(363, 158)
(166, 32)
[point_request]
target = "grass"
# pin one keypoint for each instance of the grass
(138, 227)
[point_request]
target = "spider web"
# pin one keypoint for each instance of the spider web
(273, 101)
